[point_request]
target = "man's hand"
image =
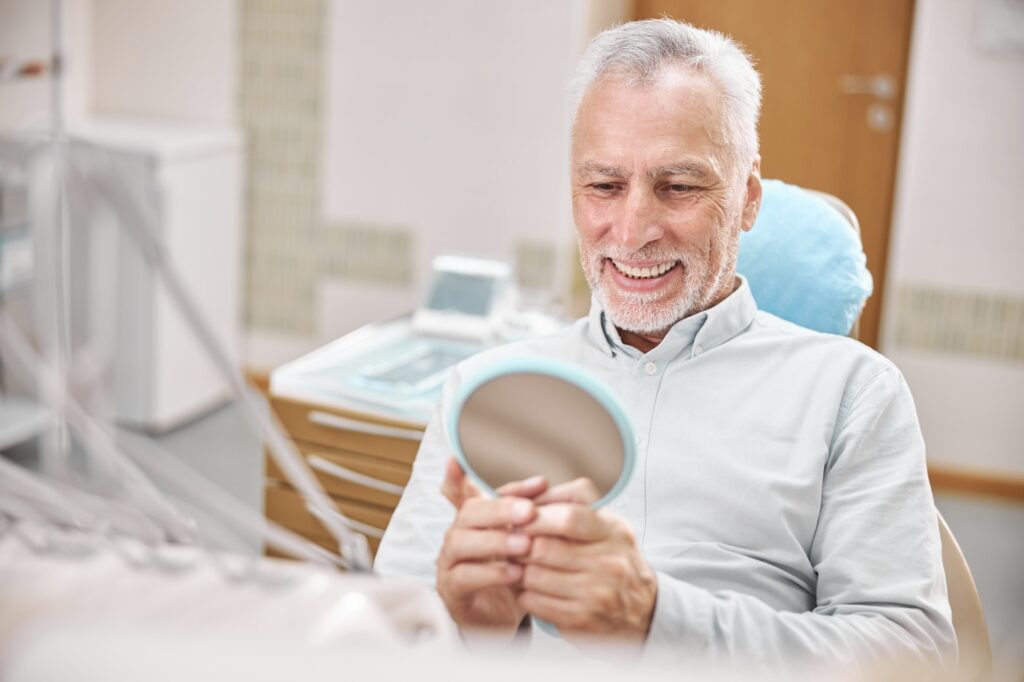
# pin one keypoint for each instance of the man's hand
(479, 569)
(584, 572)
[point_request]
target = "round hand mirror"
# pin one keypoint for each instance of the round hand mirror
(527, 416)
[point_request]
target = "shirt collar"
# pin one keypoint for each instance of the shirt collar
(704, 330)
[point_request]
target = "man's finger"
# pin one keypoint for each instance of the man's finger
(552, 582)
(580, 491)
(457, 487)
(451, 487)
(470, 544)
(572, 521)
(565, 614)
(483, 512)
(563, 555)
(472, 576)
(531, 487)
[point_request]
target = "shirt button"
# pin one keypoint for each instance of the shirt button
(650, 368)
(697, 350)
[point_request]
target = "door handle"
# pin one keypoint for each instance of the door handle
(880, 85)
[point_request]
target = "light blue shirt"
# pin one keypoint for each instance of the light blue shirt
(780, 491)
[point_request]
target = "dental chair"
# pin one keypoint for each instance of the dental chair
(804, 263)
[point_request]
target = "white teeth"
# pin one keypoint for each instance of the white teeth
(643, 273)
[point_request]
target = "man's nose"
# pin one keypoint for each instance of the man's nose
(639, 220)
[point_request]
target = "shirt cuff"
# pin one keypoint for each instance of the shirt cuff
(682, 619)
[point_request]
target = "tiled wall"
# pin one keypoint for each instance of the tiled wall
(536, 265)
(381, 254)
(281, 66)
(960, 322)
(961, 351)
(291, 249)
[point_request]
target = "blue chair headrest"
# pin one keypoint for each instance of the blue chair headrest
(804, 262)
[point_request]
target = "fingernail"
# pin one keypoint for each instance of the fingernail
(534, 480)
(521, 509)
(517, 543)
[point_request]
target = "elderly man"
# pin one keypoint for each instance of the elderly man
(780, 507)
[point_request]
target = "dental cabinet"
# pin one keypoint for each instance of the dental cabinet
(162, 377)
(357, 408)
(359, 439)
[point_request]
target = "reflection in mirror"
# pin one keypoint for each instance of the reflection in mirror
(534, 416)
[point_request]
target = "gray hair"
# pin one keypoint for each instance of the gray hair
(639, 50)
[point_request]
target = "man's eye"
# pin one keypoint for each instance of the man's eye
(603, 186)
(676, 187)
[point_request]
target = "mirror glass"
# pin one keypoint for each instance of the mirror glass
(531, 416)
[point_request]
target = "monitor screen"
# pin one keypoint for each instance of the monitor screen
(464, 293)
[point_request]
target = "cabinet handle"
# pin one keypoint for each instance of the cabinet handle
(330, 468)
(358, 526)
(333, 421)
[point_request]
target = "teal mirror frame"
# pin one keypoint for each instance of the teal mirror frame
(560, 370)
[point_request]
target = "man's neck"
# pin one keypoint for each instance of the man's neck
(645, 343)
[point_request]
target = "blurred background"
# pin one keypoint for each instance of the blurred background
(315, 156)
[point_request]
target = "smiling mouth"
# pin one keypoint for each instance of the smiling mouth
(649, 272)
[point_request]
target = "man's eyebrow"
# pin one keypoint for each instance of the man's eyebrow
(692, 169)
(597, 168)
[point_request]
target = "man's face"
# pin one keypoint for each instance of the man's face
(657, 202)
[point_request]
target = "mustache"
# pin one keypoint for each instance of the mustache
(660, 255)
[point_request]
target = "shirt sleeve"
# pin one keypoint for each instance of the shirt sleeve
(415, 534)
(881, 589)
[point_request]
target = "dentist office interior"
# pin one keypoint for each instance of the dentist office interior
(244, 241)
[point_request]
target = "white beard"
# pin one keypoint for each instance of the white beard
(649, 313)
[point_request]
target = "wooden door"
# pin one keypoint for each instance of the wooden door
(833, 75)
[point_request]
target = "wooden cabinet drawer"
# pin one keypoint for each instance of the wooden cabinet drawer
(322, 539)
(395, 441)
(385, 471)
(285, 506)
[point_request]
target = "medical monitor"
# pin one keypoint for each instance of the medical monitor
(466, 298)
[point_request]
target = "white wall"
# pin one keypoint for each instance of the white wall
(26, 34)
(166, 59)
(959, 218)
(958, 225)
(448, 118)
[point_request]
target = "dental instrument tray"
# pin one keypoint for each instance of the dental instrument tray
(395, 369)
(387, 369)
(421, 368)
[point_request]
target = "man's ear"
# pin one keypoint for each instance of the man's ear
(753, 202)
